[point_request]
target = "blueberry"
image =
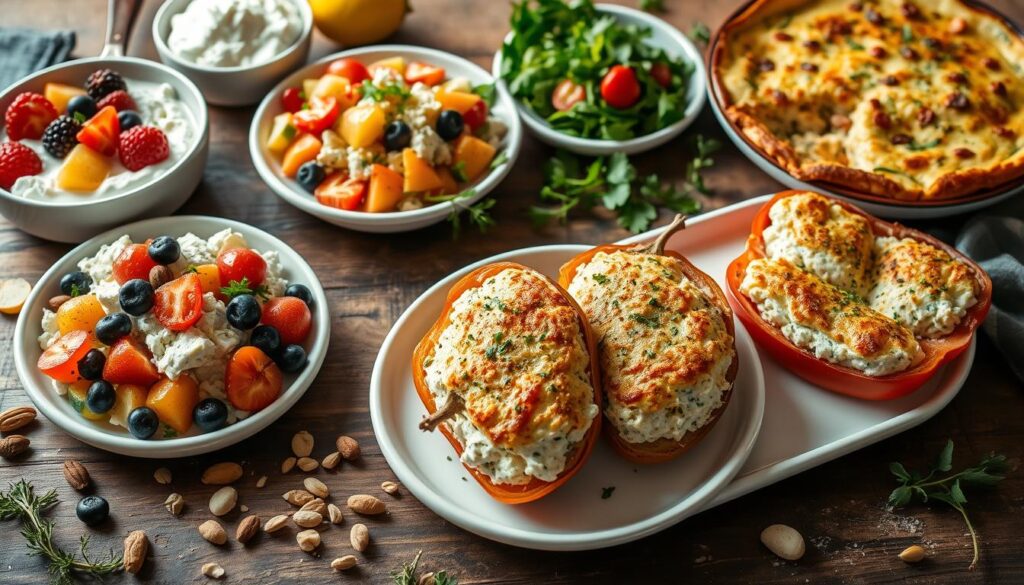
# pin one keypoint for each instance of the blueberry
(101, 396)
(128, 119)
(136, 297)
(450, 124)
(143, 422)
(91, 365)
(82, 104)
(310, 176)
(291, 359)
(266, 338)
(92, 510)
(210, 414)
(112, 327)
(397, 135)
(164, 250)
(244, 312)
(75, 283)
(300, 291)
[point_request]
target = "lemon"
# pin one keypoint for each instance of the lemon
(358, 22)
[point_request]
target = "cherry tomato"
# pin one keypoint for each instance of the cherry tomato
(340, 192)
(60, 360)
(662, 74)
(320, 115)
(567, 94)
(620, 88)
(350, 69)
(252, 380)
(476, 115)
(239, 263)
(292, 100)
(178, 304)
(133, 262)
(423, 73)
(290, 316)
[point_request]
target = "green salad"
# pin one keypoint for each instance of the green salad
(590, 75)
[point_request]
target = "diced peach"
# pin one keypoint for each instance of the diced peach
(174, 400)
(129, 397)
(396, 64)
(77, 393)
(209, 278)
(449, 186)
(385, 189)
(60, 94)
(84, 170)
(363, 125)
(460, 101)
(81, 312)
(337, 87)
(419, 175)
(301, 151)
(474, 154)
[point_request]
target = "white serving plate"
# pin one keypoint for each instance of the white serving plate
(116, 439)
(804, 426)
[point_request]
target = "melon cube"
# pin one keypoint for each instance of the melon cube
(281, 134)
(363, 125)
(474, 155)
(419, 175)
(385, 189)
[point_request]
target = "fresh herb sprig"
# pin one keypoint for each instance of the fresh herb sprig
(21, 503)
(244, 287)
(949, 489)
(477, 213)
(652, 5)
(700, 33)
(406, 575)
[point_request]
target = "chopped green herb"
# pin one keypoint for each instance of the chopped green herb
(243, 287)
(700, 33)
(606, 492)
(600, 278)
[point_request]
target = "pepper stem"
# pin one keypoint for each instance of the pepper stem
(453, 405)
(658, 246)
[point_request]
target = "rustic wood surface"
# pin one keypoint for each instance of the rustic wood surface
(370, 279)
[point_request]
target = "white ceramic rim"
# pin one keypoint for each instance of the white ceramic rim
(182, 446)
(305, 201)
(164, 50)
(202, 128)
(692, 503)
(697, 92)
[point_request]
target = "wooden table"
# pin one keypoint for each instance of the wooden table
(370, 279)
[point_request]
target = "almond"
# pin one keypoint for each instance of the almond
(308, 540)
(335, 514)
(302, 444)
(162, 476)
(308, 464)
(297, 497)
(76, 474)
(136, 545)
(13, 445)
(344, 563)
(784, 541)
(307, 519)
(222, 473)
(55, 302)
(262, 481)
(366, 504)
(247, 528)
(913, 554)
(212, 531)
(13, 419)
(389, 487)
(315, 505)
(287, 465)
(213, 570)
(276, 523)
(316, 487)
(174, 504)
(331, 461)
(360, 537)
(223, 500)
(159, 276)
(348, 447)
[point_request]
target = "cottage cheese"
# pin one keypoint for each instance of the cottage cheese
(234, 33)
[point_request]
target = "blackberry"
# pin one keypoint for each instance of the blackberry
(59, 136)
(104, 81)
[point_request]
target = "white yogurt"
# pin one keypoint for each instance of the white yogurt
(159, 106)
(234, 33)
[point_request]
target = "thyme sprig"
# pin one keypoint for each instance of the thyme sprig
(21, 503)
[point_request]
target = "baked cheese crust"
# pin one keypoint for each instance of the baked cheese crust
(907, 99)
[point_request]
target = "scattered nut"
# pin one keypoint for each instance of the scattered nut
(76, 474)
(287, 465)
(426, 579)
(247, 528)
(308, 540)
(360, 537)
(302, 444)
(308, 464)
(213, 570)
(335, 514)
(276, 523)
(55, 302)
(13, 445)
(315, 505)
(784, 541)
(348, 447)
(243, 508)
(162, 476)
(297, 497)
(13, 419)
(307, 519)
(344, 563)
(159, 276)
(223, 500)
(262, 481)
(366, 504)
(174, 504)
(13, 293)
(222, 473)
(136, 545)
(331, 461)
(913, 554)
(212, 531)
(389, 487)
(316, 487)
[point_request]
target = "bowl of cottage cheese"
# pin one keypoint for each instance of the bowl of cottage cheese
(234, 50)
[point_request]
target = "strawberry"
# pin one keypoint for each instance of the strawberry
(142, 146)
(252, 380)
(129, 363)
(17, 160)
(28, 115)
(120, 100)
(101, 131)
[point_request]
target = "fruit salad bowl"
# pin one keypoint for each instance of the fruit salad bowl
(80, 420)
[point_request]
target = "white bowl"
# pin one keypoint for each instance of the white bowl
(78, 221)
(663, 35)
(269, 168)
(108, 437)
(233, 86)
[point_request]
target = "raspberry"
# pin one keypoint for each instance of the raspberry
(17, 160)
(119, 99)
(143, 146)
(28, 115)
(59, 137)
(104, 81)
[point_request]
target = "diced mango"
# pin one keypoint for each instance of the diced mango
(60, 94)
(385, 189)
(84, 170)
(363, 125)
(174, 400)
(301, 151)
(474, 155)
(77, 393)
(337, 87)
(396, 64)
(209, 278)
(129, 397)
(460, 101)
(281, 134)
(419, 175)
(81, 312)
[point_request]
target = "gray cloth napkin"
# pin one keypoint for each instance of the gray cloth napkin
(995, 239)
(24, 51)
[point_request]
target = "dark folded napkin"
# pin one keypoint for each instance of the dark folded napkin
(24, 51)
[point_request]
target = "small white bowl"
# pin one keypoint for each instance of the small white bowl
(233, 86)
(269, 168)
(110, 438)
(664, 36)
(75, 222)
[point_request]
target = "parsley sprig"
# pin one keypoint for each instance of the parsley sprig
(244, 287)
(949, 489)
(477, 213)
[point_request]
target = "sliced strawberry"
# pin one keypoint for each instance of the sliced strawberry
(16, 161)
(130, 363)
(133, 262)
(178, 304)
(28, 115)
(253, 381)
(101, 132)
(119, 100)
(290, 316)
(340, 192)
(60, 360)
